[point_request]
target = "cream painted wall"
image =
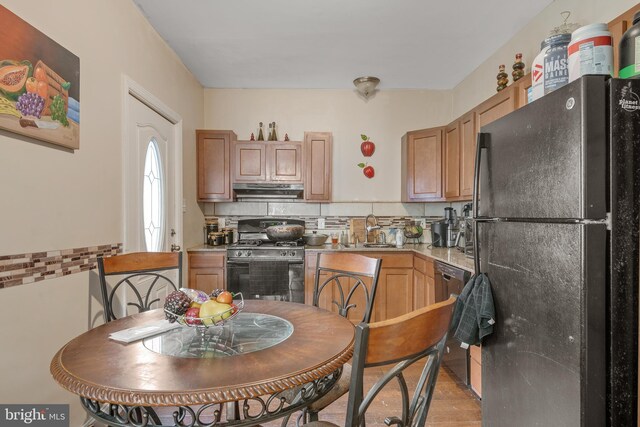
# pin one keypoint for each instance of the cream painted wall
(384, 118)
(481, 83)
(54, 199)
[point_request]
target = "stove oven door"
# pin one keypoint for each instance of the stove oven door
(238, 280)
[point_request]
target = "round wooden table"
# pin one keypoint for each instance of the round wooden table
(261, 385)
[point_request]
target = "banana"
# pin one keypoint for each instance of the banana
(8, 107)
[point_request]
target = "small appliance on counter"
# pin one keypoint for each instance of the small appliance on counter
(444, 233)
(451, 219)
(465, 243)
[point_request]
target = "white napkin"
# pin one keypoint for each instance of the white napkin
(143, 331)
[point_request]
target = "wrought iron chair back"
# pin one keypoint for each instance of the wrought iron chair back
(401, 342)
(150, 266)
(342, 277)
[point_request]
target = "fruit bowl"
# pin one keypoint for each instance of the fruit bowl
(218, 319)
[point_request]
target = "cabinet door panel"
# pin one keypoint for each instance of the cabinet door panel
(452, 161)
(284, 162)
(206, 279)
(422, 165)
(496, 107)
(419, 290)
(317, 160)
(467, 154)
(213, 167)
(395, 293)
(249, 162)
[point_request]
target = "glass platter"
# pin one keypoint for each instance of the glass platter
(248, 332)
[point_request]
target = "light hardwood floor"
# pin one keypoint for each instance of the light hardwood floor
(452, 405)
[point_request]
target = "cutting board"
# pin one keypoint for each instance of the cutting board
(356, 228)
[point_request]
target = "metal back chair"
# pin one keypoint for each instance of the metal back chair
(349, 282)
(143, 273)
(416, 337)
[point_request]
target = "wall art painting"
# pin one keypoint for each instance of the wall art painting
(39, 84)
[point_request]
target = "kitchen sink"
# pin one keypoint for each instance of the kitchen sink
(379, 245)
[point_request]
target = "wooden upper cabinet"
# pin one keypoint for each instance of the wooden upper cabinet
(618, 27)
(317, 152)
(249, 162)
(451, 161)
(284, 162)
(467, 153)
(421, 167)
(213, 164)
(499, 105)
(522, 88)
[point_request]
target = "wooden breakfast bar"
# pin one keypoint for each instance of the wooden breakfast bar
(273, 359)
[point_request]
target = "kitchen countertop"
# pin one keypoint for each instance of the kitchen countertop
(208, 248)
(450, 256)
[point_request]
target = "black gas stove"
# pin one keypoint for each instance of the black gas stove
(262, 269)
(253, 242)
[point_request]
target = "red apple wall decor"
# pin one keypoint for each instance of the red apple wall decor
(367, 147)
(367, 170)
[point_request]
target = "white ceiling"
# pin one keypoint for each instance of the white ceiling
(413, 44)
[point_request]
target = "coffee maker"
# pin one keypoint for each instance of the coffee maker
(451, 219)
(445, 232)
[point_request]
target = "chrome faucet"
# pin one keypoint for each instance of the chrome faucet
(368, 228)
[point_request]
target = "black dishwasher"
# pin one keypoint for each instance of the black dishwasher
(450, 280)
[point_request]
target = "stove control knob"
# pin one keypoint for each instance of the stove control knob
(248, 253)
(238, 253)
(292, 253)
(283, 253)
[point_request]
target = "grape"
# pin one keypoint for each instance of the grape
(30, 104)
(58, 112)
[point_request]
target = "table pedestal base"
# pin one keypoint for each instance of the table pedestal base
(247, 412)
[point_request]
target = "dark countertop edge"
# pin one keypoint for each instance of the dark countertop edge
(450, 256)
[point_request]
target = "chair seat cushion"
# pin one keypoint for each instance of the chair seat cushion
(337, 391)
(320, 424)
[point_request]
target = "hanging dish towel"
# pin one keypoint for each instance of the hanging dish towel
(474, 315)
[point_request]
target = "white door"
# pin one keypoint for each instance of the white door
(152, 183)
(151, 190)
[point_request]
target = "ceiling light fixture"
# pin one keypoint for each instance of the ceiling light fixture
(366, 85)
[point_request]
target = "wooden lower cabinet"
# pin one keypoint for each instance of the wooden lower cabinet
(206, 271)
(395, 292)
(475, 369)
(423, 282)
(394, 296)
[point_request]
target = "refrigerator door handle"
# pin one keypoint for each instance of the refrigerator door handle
(480, 145)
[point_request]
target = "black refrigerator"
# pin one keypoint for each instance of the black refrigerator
(556, 216)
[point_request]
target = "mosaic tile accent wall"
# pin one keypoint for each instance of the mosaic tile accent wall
(33, 267)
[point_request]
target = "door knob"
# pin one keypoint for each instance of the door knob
(175, 248)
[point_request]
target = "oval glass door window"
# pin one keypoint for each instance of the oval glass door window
(152, 194)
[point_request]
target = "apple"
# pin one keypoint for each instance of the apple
(225, 297)
(367, 147)
(368, 172)
(213, 311)
(191, 316)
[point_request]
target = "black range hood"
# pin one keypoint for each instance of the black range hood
(268, 191)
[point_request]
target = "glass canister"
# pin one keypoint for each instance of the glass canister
(228, 235)
(216, 239)
(556, 70)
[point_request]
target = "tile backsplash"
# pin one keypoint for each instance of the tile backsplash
(336, 215)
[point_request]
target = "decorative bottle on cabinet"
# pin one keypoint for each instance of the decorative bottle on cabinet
(503, 79)
(260, 134)
(518, 68)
